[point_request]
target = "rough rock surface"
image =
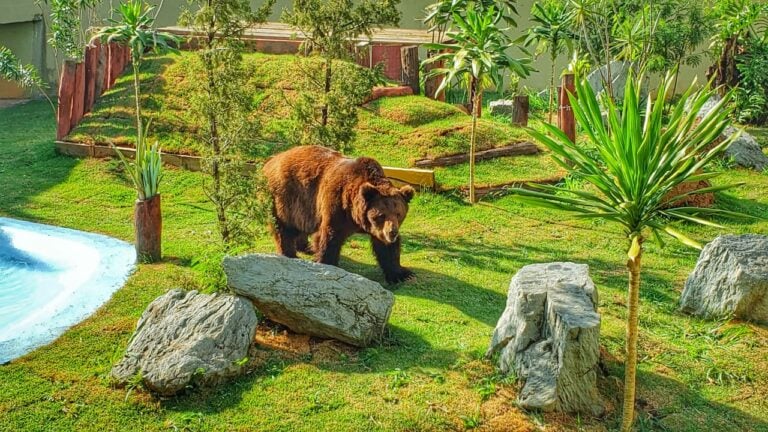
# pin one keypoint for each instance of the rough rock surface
(503, 107)
(619, 74)
(549, 335)
(184, 337)
(745, 151)
(730, 278)
(311, 298)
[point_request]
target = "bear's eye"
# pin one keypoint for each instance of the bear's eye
(378, 217)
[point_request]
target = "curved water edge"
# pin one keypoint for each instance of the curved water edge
(52, 278)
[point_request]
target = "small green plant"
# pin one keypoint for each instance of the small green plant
(398, 378)
(473, 421)
(24, 75)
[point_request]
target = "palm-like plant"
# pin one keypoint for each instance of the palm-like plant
(478, 55)
(133, 29)
(641, 158)
(26, 76)
(551, 33)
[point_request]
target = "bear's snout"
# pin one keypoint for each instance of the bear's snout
(392, 234)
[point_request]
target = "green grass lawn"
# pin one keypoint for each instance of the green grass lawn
(429, 373)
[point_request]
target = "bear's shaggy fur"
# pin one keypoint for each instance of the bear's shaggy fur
(317, 191)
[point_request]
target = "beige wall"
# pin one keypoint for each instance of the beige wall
(19, 32)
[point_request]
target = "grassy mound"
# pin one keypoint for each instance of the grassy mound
(396, 131)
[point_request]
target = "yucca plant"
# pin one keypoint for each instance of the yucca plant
(133, 28)
(640, 158)
(478, 54)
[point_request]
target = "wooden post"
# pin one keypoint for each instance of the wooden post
(431, 84)
(409, 67)
(148, 224)
(78, 96)
(91, 63)
(101, 70)
(66, 88)
(565, 118)
(520, 110)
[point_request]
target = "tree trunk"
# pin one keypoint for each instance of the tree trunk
(216, 151)
(551, 91)
(409, 68)
(148, 223)
(137, 96)
(630, 364)
(324, 119)
(473, 138)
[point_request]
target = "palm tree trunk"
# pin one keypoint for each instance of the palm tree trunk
(473, 137)
(630, 365)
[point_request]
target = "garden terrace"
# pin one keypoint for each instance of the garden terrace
(397, 131)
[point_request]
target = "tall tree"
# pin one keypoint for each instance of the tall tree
(638, 163)
(478, 54)
(551, 33)
(331, 29)
(220, 99)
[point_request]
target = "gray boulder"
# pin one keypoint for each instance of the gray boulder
(502, 107)
(619, 74)
(730, 278)
(549, 335)
(311, 298)
(185, 337)
(744, 150)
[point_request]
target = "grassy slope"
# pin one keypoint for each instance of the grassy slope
(694, 375)
(396, 130)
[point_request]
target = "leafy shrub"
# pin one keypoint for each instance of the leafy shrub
(751, 96)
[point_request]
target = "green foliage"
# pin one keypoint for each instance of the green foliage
(751, 96)
(327, 108)
(330, 26)
(335, 129)
(66, 27)
(477, 55)
(642, 156)
(223, 104)
(12, 69)
(439, 15)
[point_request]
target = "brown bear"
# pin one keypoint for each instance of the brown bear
(317, 191)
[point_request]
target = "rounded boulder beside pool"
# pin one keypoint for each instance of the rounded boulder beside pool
(52, 278)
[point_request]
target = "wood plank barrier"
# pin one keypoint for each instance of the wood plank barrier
(565, 118)
(81, 83)
(66, 88)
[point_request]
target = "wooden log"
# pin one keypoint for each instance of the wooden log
(517, 149)
(565, 119)
(91, 63)
(111, 53)
(101, 71)
(78, 96)
(66, 89)
(148, 224)
(409, 67)
(380, 92)
(482, 191)
(127, 57)
(520, 110)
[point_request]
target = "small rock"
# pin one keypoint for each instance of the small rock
(744, 150)
(549, 335)
(311, 298)
(730, 278)
(184, 337)
(502, 107)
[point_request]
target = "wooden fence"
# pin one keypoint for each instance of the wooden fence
(82, 82)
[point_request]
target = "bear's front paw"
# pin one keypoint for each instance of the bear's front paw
(401, 275)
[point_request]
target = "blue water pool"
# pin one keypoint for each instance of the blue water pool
(52, 278)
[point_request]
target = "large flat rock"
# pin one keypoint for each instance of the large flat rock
(549, 335)
(730, 279)
(186, 337)
(311, 298)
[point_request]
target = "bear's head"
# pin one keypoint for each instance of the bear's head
(384, 209)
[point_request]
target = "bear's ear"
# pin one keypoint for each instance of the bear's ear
(368, 192)
(407, 192)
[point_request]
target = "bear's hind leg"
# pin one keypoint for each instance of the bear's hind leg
(388, 257)
(302, 244)
(286, 239)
